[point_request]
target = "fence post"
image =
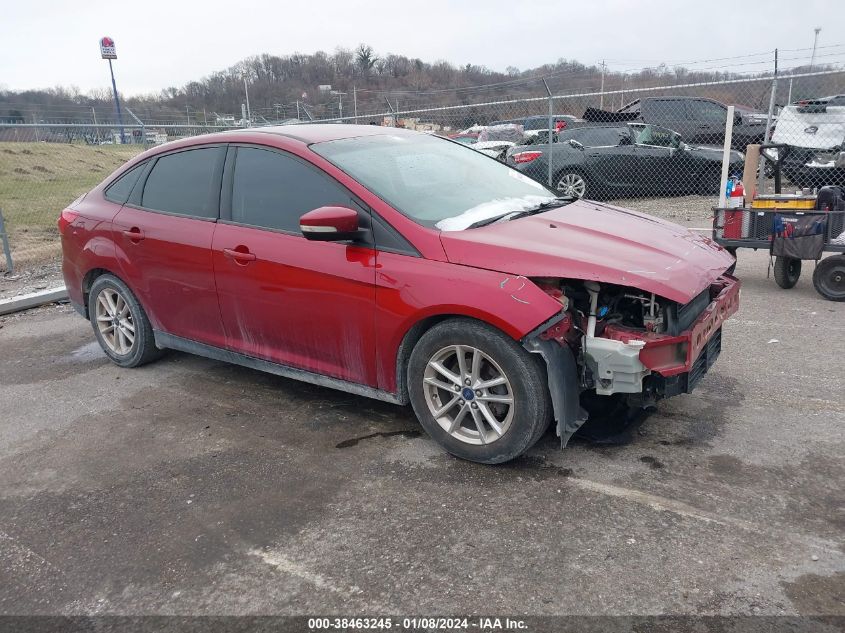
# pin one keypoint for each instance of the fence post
(551, 124)
(726, 157)
(10, 267)
(761, 167)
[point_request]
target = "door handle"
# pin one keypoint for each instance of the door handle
(240, 257)
(134, 234)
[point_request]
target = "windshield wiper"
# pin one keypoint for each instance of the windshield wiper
(560, 201)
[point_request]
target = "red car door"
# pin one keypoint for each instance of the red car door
(283, 298)
(164, 235)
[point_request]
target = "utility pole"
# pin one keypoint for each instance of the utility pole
(601, 98)
(248, 112)
(205, 117)
(622, 93)
(187, 115)
(355, 103)
(815, 43)
(297, 109)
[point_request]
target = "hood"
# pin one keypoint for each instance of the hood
(590, 240)
(815, 130)
(711, 152)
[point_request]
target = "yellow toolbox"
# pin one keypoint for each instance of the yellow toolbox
(784, 201)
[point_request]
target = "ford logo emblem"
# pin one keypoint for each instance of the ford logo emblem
(811, 130)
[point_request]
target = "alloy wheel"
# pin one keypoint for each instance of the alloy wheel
(468, 394)
(115, 322)
(572, 185)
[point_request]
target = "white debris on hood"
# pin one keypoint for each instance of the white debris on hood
(490, 209)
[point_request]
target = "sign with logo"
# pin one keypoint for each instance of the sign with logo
(107, 49)
(811, 130)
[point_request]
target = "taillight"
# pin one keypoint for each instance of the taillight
(560, 125)
(66, 219)
(526, 157)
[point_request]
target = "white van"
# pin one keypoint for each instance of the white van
(814, 130)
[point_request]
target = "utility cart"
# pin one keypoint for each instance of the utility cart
(793, 228)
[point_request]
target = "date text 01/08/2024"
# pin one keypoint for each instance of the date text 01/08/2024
(417, 624)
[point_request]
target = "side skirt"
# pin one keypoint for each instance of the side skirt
(169, 341)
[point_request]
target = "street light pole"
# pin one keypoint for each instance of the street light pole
(339, 95)
(815, 42)
(601, 102)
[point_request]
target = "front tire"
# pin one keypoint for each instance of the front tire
(571, 182)
(120, 323)
(477, 392)
(787, 271)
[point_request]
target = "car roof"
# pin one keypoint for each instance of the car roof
(321, 132)
(306, 133)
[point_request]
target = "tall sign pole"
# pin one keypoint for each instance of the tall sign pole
(109, 52)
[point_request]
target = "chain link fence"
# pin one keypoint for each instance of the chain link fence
(658, 149)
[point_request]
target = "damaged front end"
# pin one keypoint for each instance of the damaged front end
(611, 339)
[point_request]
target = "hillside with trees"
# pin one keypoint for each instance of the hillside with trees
(282, 87)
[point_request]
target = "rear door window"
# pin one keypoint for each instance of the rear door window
(273, 190)
(182, 183)
(600, 137)
(665, 110)
(707, 111)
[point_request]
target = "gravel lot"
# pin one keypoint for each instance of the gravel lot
(194, 487)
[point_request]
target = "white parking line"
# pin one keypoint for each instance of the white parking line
(285, 565)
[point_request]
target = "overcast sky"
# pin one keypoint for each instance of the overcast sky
(160, 44)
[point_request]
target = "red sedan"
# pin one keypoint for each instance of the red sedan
(400, 266)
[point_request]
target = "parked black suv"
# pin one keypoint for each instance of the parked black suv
(698, 120)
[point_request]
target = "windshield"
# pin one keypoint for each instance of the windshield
(433, 181)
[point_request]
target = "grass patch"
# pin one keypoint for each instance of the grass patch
(37, 180)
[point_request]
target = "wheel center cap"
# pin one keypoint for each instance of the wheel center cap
(468, 393)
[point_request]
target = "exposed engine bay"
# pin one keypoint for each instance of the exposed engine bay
(627, 341)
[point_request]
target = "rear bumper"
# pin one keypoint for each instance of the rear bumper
(676, 363)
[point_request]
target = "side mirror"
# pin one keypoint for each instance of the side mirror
(330, 224)
(575, 144)
(625, 140)
(737, 117)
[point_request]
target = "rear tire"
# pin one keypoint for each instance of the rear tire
(829, 278)
(120, 324)
(490, 407)
(787, 271)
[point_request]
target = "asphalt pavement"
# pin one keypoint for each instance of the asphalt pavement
(194, 487)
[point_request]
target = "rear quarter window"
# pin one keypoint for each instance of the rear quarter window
(119, 190)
